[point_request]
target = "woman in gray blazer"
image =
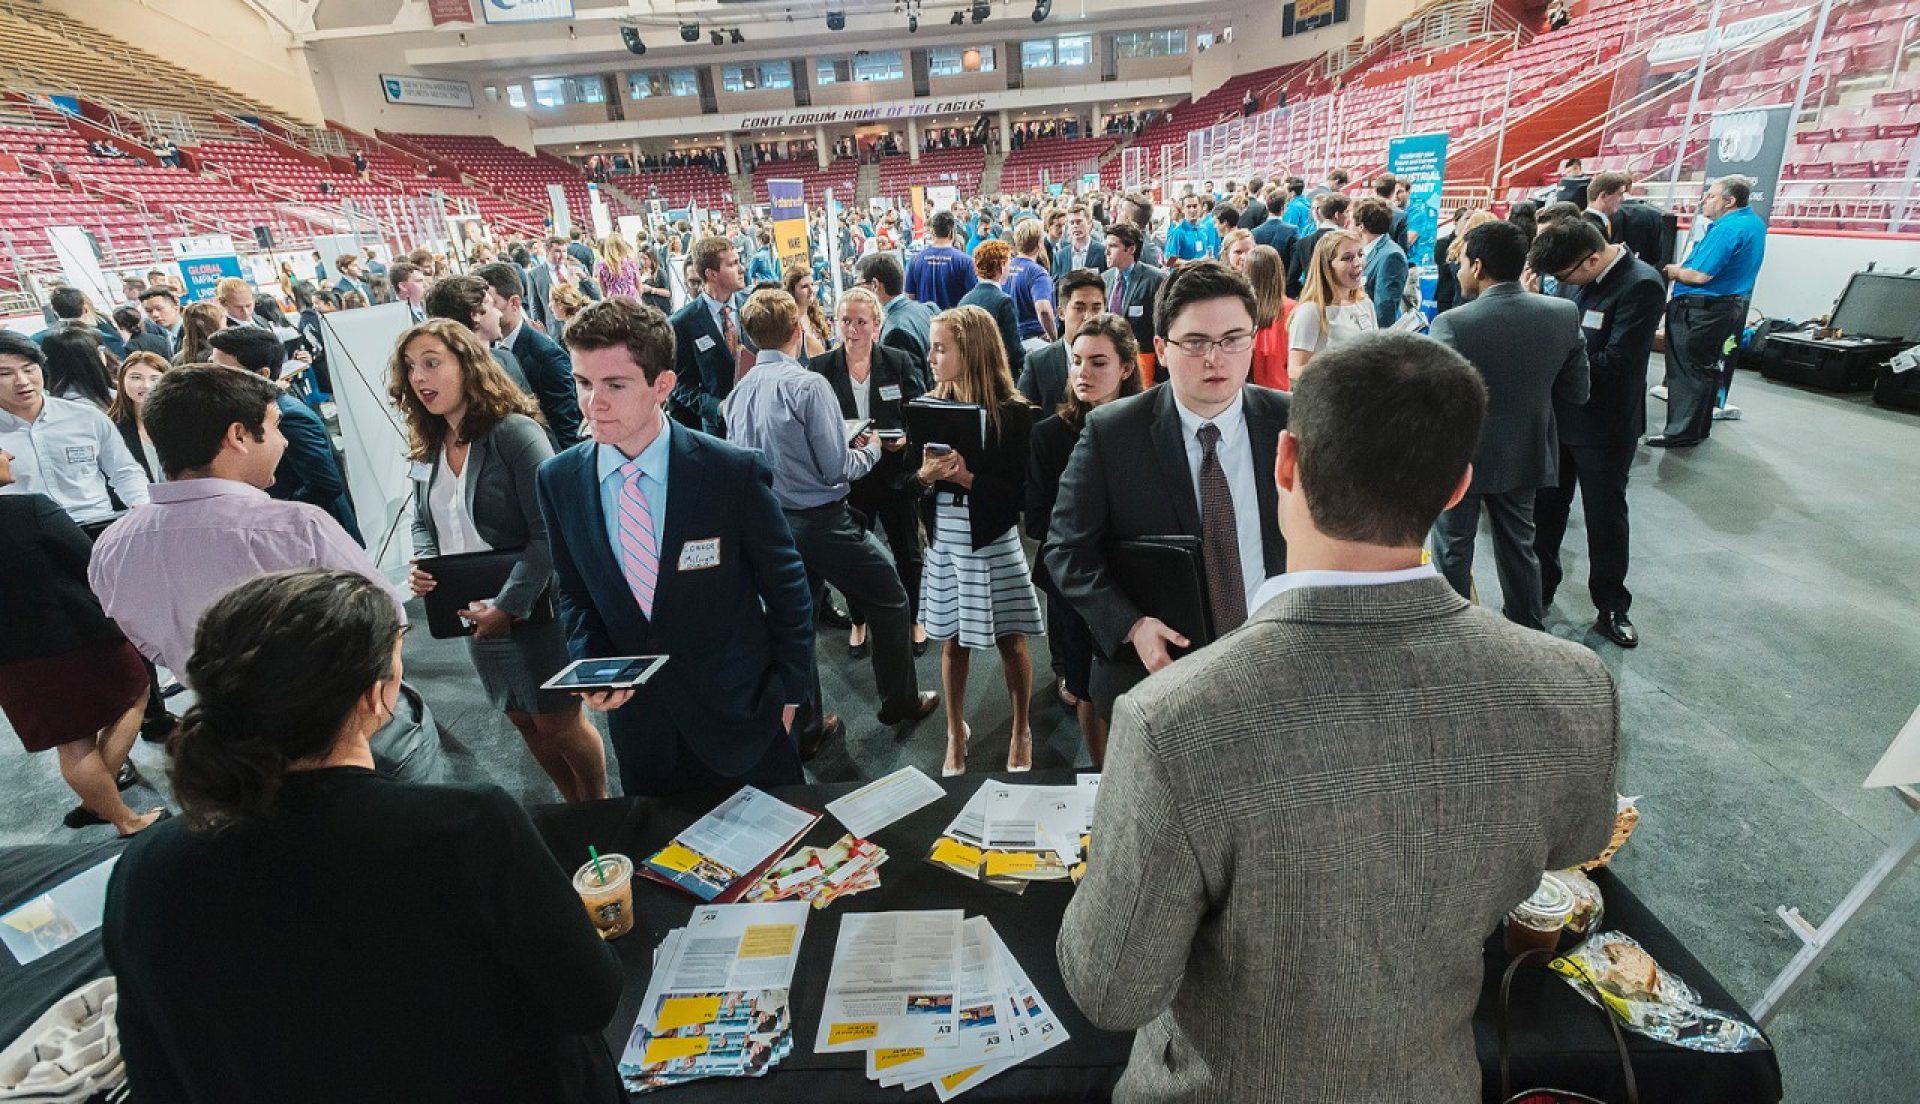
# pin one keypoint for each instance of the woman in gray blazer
(476, 449)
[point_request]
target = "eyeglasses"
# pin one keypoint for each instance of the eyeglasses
(1201, 346)
(1573, 268)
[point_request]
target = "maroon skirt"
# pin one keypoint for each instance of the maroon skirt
(71, 696)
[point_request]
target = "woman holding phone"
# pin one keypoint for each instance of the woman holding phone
(975, 590)
(476, 447)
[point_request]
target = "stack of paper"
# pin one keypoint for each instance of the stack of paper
(716, 1005)
(894, 995)
(723, 853)
(1011, 835)
(822, 875)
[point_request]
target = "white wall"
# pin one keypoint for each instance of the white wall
(346, 75)
(1803, 275)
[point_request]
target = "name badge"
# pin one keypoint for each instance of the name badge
(421, 472)
(79, 454)
(699, 555)
(703, 343)
(889, 392)
(1593, 320)
(1134, 310)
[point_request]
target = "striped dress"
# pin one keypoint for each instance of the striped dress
(975, 596)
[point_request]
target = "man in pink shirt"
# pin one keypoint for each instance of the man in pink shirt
(211, 525)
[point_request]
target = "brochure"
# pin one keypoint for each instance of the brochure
(723, 853)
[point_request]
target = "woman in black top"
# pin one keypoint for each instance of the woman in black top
(314, 931)
(1103, 364)
(138, 373)
(68, 679)
(976, 589)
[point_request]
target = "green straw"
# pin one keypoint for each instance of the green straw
(597, 868)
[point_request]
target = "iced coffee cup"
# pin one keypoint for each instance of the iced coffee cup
(1536, 923)
(606, 889)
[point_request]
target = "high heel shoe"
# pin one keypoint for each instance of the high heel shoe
(1020, 739)
(947, 769)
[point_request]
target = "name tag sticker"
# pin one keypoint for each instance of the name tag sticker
(889, 392)
(1134, 310)
(1593, 320)
(703, 343)
(421, 472)
(699, 555)
(79, 454)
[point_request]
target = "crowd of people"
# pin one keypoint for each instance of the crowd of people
(682, 482)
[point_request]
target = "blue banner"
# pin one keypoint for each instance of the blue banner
(201, 274)
(1421, 161)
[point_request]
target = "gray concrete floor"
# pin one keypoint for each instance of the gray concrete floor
(1775, 588)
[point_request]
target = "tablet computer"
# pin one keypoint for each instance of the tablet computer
(612, 673)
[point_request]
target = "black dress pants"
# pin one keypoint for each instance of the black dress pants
(1698, 327)
(897, 512)
(1600, 474)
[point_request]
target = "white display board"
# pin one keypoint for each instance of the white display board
(331, 248)
(359, 345)
(79, 257)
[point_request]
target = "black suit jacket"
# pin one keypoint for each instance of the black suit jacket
(1628, 303)
(1128, 477)
(148, 341)
(1279, 234)
(45, 602)
(309, 471)
(1096, 258)
(999, 477)
(995, 301)
(1446, 284)
(892, 383)
(1639, 227)
(705, 375)
(739, 634)
(1051, 445)
(1044, 382)
(1143, 286)
(1302, 260)
(549, 372)
(130, 433)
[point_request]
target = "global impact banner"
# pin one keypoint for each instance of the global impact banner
(1421, 161)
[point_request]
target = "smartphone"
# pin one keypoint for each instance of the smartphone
(938, 449)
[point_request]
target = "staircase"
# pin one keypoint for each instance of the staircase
(867, 184)
(990, 175)
(743, 196)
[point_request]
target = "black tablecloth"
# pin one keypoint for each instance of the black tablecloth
(1558, 1039)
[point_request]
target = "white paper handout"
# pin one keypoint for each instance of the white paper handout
(895, 982)
(1900, 766)
(745, 829)
(728, 947)
(885, 800)
(986, 1018)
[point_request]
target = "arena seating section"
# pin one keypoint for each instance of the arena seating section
(249, 168)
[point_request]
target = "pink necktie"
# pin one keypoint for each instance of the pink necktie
(639, 547)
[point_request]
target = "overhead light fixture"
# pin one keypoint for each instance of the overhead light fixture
(1042, 9)
(913, 22)
(959, 18)
(836, 20)
(689, 32)
(734, 36)
(717, 38)
(631, 36)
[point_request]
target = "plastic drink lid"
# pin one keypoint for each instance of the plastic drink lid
(1552, 900)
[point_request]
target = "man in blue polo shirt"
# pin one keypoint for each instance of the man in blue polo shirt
(1711, 291)
(941, 274)
(1195, 239)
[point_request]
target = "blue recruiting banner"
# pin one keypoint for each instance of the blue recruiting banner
(1421, 161)
(205, 261)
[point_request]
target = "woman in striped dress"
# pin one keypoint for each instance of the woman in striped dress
(975, 589)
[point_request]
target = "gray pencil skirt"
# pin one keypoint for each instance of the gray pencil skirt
(512, 668)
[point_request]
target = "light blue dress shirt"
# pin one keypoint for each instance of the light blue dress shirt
(653, 486)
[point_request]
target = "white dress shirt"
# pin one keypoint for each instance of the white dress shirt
(1296, 580)
(71, 453)
(447, 499)
(1235, 452)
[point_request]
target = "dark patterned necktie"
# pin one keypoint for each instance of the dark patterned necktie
(1219, 538)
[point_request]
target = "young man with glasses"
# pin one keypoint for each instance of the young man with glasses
(1620, 299)
(1193, 458)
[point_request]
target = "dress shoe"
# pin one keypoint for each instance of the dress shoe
(832, 617)
(1661, 440)
(128, 777)
(949, 767)
(919, 648)
(857, 651)
(1616, 627)
(830, 727)
(1020, 753)
(82, 817)
(926, 703)
(157, 731)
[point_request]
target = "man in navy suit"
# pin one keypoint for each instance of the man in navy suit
(549, 373)
(707, 338)
(1079, 249)
(669, 542)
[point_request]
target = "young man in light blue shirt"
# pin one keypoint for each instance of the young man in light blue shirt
(1195, 239)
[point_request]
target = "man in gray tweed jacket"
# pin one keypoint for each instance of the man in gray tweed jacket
(1306, 831)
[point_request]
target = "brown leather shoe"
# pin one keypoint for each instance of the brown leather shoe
(830, 727)
(925, 704)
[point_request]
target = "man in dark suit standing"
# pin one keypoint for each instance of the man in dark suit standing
(1194, 458)
(1621, 300)
(1331, 212)
(162, 308)
(1634, 225)
(1274, 231)
(538, 299)
(1386, 263)
(1519, 449)
(548, 370)
(1079, 249)
(907, 325)
(1083, 294)
(669, 542)
(990, 265)
(709, 354)
(1131, 284)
